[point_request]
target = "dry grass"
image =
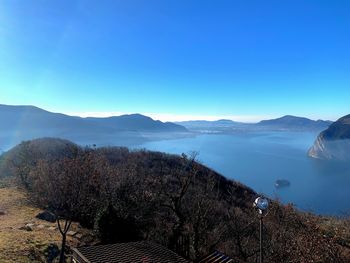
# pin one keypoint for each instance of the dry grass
(338, 230)
(18, 245)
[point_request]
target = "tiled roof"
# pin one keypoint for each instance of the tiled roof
(216, 257)
(133, 252)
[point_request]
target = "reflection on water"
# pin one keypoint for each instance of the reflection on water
(259, 159)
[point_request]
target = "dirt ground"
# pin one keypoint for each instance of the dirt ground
(24, 238)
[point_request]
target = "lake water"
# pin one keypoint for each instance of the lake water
(259, 159)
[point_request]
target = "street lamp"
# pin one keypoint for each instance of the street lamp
(261, 204)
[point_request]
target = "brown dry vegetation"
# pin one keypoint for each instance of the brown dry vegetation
(18, 245)
(172, 200)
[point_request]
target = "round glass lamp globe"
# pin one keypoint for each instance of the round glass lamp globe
(261, 203)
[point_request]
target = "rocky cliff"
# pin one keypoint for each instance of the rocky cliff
(334, 142)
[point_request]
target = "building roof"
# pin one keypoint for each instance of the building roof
(217, 257)
(132, 252)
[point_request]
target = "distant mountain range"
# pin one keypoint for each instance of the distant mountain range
(33, 118)
(136, 122)
(203, 125)
(223, 122)
(287, 122)
(19, 123)
(334, 142)
(294, 122)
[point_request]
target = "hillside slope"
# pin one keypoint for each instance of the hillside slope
(18, 123)
(23, 237)
(334, 142)
(136, 122)
(171, 200)
(285, 123)
(30, 118)
(294, 122)
(37, 149)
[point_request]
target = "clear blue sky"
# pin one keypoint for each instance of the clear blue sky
(244, 59)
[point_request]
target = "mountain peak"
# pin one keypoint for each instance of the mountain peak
(28, 122)
(295, 122)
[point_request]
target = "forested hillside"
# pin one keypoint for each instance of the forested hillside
(173, 200)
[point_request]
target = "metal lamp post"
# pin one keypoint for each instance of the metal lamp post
(261, 204)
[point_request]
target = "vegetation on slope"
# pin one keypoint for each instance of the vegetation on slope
(172, 200)
(339, 130)
(25, 238)
(334, 142)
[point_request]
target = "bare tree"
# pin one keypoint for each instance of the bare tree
(171, 200)
(22, 161)
(65, 188)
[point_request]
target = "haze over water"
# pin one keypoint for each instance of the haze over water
(259, 159)
(190, 60)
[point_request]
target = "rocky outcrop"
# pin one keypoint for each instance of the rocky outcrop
(47, 216)
(334, 142)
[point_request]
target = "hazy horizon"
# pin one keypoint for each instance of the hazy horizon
(73, 179)
(184, 117)
(179, 118)
(179, 60)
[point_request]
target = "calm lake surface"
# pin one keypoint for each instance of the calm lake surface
(259, 159)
